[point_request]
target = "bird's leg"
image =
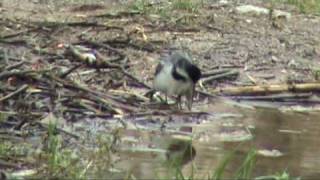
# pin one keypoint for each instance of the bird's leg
(178, 102)
(166, 98)
(189, 97)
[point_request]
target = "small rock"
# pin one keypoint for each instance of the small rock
(223, 2)
(276, 14)
(249, 21)
(251, 9)
(274, 59)
(270, 153)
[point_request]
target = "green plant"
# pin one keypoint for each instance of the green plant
(188, 5)
(61, 162)
(141, 6)
(305, 6)
(245, 170)
(316, 73)
(218, 173)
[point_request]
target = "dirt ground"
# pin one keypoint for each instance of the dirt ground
(216, 37)
(43, 70)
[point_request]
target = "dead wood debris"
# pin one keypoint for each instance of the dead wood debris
(269, 89)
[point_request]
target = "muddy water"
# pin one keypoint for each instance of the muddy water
(292, 135)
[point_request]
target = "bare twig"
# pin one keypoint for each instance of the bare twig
(111, 102)
(21, 89)
(14, 66)
(219, 76)
(7, 74)
(214, 72)
(106, 64)
(69, 71)
(96, 44)
(18, 33)
(119, 14)
(275, 97)
(268, 89)
(135, 78)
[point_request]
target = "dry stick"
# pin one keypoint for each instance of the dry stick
(14, 42)
(69, 71)
(203, 93)
(118, 14)
(19, 33)
(219, 76)
(111, 65)
(14, 66)
(214, 72)
(135, 78)
(110, 102)
(7, 74)
(53, 24)
(100, 64)
(120, 53)
(21, 89)
(268, 89)
(275, 97)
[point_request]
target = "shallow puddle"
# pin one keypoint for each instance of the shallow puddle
(285, 141)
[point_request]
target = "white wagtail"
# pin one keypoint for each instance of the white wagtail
(176, 75)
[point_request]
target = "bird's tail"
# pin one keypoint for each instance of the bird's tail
(193, 72)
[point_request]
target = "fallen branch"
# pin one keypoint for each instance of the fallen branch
(219, 76)
(7, 74)
(18, 91)
(119, 14)
(203, 93)
(96, 44)
(54, 24)
(113, 103)
(214, 72)
(69, 71)
(90, 59)
(14, 66)
(135, 78)
(106, 64)
(269, 89)
(18, 33)
(275, 97)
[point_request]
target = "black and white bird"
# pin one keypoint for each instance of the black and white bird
(177, 75)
